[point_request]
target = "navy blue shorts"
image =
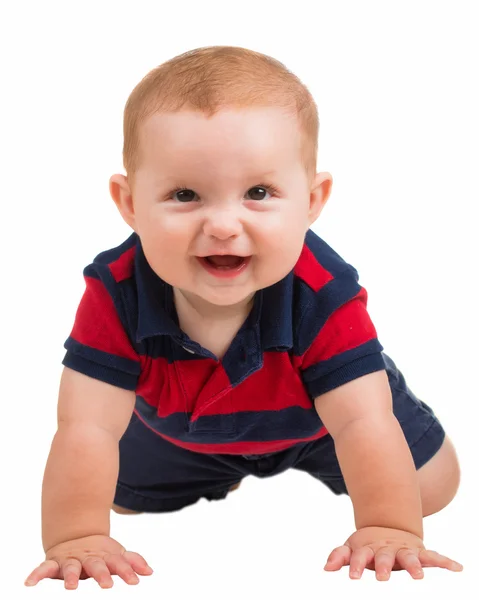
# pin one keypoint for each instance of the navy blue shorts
(158, 476)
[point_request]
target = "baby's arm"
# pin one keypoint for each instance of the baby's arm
(82, 467)
(79, 486)
(373, 454)
(344, 371)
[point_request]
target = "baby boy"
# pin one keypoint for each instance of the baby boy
(224, 338)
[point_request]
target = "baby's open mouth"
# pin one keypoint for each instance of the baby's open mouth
(226, 265)
(226, 261)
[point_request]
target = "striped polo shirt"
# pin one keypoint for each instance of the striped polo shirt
(305, 335)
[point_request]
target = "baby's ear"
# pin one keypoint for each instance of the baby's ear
(320, 191)
(121, 193)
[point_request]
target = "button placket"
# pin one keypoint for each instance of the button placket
(213, 390)
(226, 418)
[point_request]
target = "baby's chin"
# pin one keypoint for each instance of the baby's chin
(220, 298)
(227, 298)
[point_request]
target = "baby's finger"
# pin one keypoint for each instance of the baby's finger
(96, 568)
(384, 562)
(430, 558)
(408, 560)
(359, 559)
(138, 563)
(71, 571)
(48, 569)
(118, 565)
(338, 558)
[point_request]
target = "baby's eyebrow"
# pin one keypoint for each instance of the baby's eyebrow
(172, 178)
(266, 173)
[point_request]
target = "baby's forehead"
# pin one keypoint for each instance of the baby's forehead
(251, 134)
(228, 118)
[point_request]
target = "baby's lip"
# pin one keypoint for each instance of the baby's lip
(223, 254)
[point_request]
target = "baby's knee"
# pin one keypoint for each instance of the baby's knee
(439, 479)
(123, 511)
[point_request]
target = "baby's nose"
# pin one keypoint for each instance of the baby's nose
(223, 224)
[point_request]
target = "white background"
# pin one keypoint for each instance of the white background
(396, 87)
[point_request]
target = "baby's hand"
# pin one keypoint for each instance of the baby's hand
(382, 549)
(97, 556)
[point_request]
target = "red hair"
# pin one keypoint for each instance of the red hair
(211, 78)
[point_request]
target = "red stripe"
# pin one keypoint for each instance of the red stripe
(262, 390)
(97, 323)
(122, 268)
(160, 385)
(205, 385)
(348, 327)
(201, 387)
(311, 271)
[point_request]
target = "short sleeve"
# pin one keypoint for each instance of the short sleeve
(98, 345)
(345, 348)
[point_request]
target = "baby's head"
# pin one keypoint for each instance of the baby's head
(220, 149)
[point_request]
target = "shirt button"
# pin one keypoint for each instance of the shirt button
(188, 350)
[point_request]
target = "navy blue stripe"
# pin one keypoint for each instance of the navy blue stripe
(124, 297)
(315, 308)
(246, 426)
(327, 381)
(325, 367)
(92, 271)
(108, 256)
(326, 256)
(101, 372)
(103, 358)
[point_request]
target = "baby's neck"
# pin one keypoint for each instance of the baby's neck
(200, 310)
(214, 327)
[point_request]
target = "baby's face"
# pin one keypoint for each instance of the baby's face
(243, 200)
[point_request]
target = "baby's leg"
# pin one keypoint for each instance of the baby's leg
(124, 511)
(439, 479)
(432, 451)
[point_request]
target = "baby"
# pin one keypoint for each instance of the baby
(224, 338)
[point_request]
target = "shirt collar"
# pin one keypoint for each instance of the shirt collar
(155, 301)
(277, 315)
(272, 310)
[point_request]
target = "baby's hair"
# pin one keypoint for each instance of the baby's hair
(215, 77)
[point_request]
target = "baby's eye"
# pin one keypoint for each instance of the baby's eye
(259, 190)
(183, 195)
